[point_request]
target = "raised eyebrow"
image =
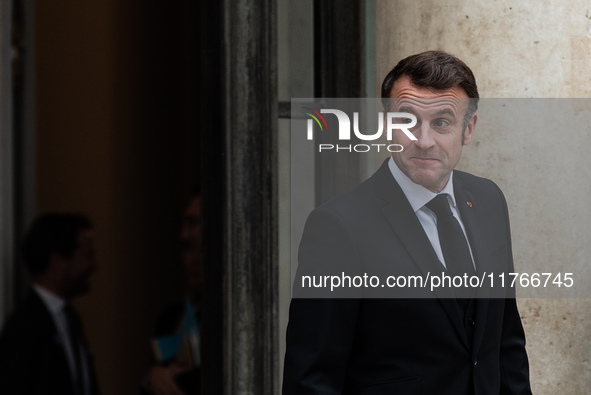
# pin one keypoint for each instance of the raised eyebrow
(406, 109)
(445, 111)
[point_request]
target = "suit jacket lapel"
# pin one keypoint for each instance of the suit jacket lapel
(473, 219)
(406, 225)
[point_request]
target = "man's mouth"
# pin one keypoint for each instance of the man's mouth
(423, 160)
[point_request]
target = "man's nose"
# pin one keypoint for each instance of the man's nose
(424, 136)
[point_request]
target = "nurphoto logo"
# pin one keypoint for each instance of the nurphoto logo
(402, 121)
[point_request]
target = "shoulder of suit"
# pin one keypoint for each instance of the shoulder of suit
(482, 190)
(356, 198)
(471, 182)
(29, 318)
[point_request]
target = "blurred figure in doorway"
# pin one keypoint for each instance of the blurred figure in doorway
(43, 349)
(176, 341)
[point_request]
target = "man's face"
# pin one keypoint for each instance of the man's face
(429, 160)
(191, 245)
(79, 268)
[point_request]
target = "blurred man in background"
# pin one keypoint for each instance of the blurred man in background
(177, 334)
(42, 346)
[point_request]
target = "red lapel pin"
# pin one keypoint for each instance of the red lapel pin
(469, 204)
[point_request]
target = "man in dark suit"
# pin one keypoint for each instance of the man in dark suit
(42, 346)
(415, 216)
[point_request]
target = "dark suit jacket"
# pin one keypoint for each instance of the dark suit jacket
(403, 346)
(32, 359)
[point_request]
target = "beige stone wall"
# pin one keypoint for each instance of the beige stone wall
(516, 48)
(522, 49)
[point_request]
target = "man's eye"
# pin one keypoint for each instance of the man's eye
(441, 123)
(406, 120)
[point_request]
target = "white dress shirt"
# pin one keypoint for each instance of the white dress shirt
(418, 196)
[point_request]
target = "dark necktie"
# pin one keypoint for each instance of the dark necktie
(454, 246)
(75, 330)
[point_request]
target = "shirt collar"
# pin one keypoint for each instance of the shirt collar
(54, 303)
(416, 194)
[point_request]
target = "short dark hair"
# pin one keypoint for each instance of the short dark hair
(434, 69)
(52, 233)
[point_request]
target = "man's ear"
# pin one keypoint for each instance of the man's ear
(469, 131)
